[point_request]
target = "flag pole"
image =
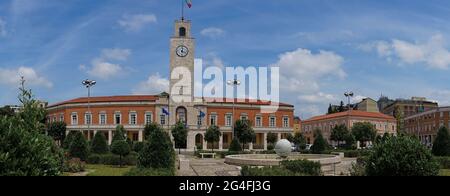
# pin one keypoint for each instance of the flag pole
(182, 10)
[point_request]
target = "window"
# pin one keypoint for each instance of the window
(148, 118)
(213, 120)
(54, 118)
(258, 121)
(182, 32)
(272, 122)
(88, 119)
(102, 119)
(61, 118)
(163, 119)
(228, 121)
(244, 118)
(286, 122)
(118, 119)
(135, 137)
(74, 119)
(133, 120)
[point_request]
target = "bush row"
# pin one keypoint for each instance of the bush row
(286, 168)
(150, 172)
(111, 159)
(444, 162)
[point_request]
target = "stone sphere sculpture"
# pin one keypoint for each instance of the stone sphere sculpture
(283, 148)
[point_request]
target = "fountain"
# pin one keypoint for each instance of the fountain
(284, 152)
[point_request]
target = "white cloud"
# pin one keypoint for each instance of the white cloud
(135, 23)
(154, 85)
(32, 78)
(212, 60)
(318, 98)
(432, 53)
(212, 32)
(103, 67)
(3, 31)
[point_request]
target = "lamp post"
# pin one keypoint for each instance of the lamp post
(233, 83)
(349, 95)
(88, 84)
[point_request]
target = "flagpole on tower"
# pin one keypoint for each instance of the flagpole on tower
(182, 10)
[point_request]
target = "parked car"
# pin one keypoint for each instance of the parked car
(308, 146)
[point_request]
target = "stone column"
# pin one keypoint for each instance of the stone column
(250, 146)
(141, 136)
(279, 136)
(95, 132)
(265, 141)
(221, 143)
(205, 144)
(110, 137)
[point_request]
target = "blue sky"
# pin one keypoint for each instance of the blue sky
(324, 47)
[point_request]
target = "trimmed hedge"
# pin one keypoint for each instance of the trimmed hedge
(74, 165)
(111, 159)
(444, 162)
(150, 172)
(265, 171)
(303, 167)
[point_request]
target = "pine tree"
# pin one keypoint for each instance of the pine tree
(99, 144)
(121, 148)
(320, 144)
(441, 146)
(158, 152)
(78, 148)
(179, 133)
(119, 133)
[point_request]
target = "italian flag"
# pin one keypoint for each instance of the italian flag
(189, 3)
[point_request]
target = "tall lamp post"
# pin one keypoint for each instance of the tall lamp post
(349, 95)
(88, 84)
(233, 83)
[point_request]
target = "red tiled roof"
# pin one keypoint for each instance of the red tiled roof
(106, 99)
(353, 113)
(244, 101)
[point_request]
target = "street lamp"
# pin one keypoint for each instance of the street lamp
(88, 84)
(233, 83)
(349, 95)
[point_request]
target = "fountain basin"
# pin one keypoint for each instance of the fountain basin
(274, 160)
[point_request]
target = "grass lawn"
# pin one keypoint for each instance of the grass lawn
(106, 170)
(445, 172)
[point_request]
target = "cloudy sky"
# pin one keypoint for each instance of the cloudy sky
(400, 48)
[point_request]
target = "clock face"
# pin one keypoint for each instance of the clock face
(182, 51)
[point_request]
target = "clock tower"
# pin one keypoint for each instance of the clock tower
(182, 51)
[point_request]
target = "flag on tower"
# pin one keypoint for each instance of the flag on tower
(189, 3)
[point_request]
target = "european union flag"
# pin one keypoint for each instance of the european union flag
(164, 111)
(202, 114)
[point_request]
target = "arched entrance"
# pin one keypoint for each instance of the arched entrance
(199, 141)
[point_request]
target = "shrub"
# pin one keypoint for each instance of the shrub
(444, 162)
(158, 152)
(235, 146)
(78, 147)
(57, 130)
(138, 146)
(401, 156)
(270, 147)
(150, 172)
(68, 139)
(111, 159)
(303, 167)
(121, 148)
(74, 165)
(441, 146)
(119, 133)
(99, 144)
(320, 144)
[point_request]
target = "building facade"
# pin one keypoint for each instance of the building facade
(383, 123)
(409, 107)
(368, 105)
(180, 105)
(426, 125)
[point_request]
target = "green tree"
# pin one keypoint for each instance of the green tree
(119, 133)
(158, 152)
(244, 132)
(57, 130)
(339, 133)
(68, 139)
(320, 144)
(364, 132)
(330, 109)
(99, 144)
(24, 148)
(300, 141)
(180, 133)
(212, 135)
(78, 147)
(399, 116)
(235, 146)
(341, 107)
(401, 156)
(149, 128)
(290, 138)
(272, 138)
(121, 148)
(441, 146)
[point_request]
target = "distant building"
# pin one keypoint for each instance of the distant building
(426, 125)
(383, 102)
(409, 107)
(367, 105)
(383, 123)
(297, 125)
